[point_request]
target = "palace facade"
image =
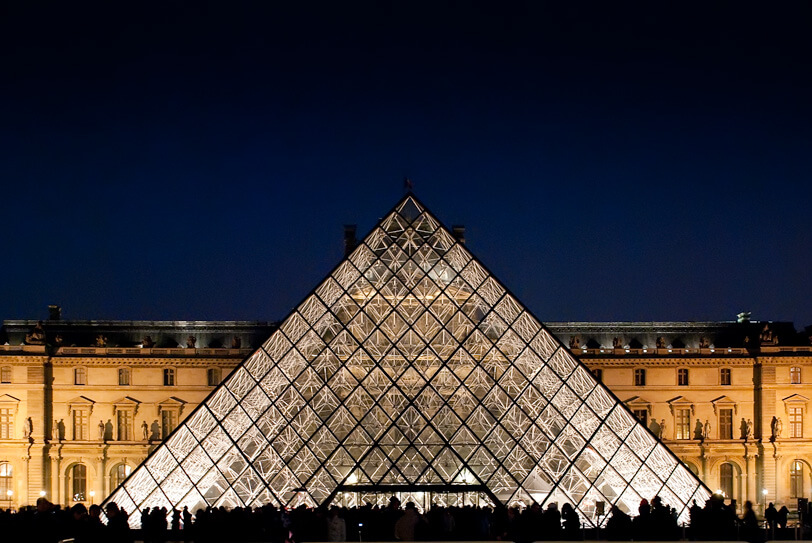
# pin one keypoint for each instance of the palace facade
(82, 403)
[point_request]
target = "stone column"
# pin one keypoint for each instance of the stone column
(750, 458)
(22, 498)
(98, 483)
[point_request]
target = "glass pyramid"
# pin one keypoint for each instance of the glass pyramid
(410, 368)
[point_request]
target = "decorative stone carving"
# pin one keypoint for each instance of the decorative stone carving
(661, 342)
(101, 340)
(145, 431)
(190, 342)
(236, 342)
(101, 430)
(575, 342)
(36, 336)
(617, 343)
(767, 337)
(148, 343)
(776, 427)
(28, 428)
(706, 430)
(704, 343)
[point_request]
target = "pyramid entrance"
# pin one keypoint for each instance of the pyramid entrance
(424, 497)
(411, 369)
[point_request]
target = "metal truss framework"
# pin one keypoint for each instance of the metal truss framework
(410, 365)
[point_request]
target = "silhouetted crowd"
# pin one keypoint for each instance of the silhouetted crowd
(47, 523)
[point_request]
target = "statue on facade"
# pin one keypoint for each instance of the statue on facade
(101, 430)
(36, 336)
(28, 428)
(236, 342)
(662, 429)
(706, 430)
(776, 426)
(617, 343)
(575, 342)
(704, 343)
(748, 429)
(660, 342)
(190, 342)
(101, 340)
(148, 343)
(55, 430)
(145, 431)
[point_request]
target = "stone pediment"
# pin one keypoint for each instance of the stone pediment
(636, 402)
(795, 400)
(127, 402)
(80, 402)
(171, 403)
(680, 402)
(9, 401)
(724, 402)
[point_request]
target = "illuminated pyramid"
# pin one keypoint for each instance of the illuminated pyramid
(410, 370)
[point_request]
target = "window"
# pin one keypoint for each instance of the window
(725, 424)
(124, 420)
(213, 377)
(169, 377)
(169, 419)
(683, 426)
(642, 415)
(796, 479)
(80, 419)
(80, 376)
(796, 422)
(682, 377)
(598, 373)
(6, 423)
(120, 472)
(795, 375)
(5, 374)
(124, 377)
(640, 377)
(6, 486)
(724, 376)
(78, 475)
(726, 480)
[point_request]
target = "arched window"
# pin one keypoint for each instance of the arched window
(213, 377)
(6, 485)
(120, 472)
(795, 375)
(796, 479)
(726, 480)
(78, 476)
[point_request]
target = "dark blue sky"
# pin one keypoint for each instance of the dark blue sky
(198, 162)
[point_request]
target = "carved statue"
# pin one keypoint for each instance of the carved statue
(58, 340)
(776, 426)
(236, 342)
(662, 429)
(190, 342)
(748, 429)
(766, 337)
(706, 430)
(617, 343)
(575, 342)
(28, 428)
(101, 430)
(37, 335)
(101, 340)
(55, 430)
(148, 343)
(145, 431)
(661, 342)
(704, 343)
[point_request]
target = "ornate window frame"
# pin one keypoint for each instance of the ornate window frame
(170, 405)
(7, 401)
(76, 404)
(125, 404)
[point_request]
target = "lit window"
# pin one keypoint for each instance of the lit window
(725, 424)
(598, 373)
(726, 479)
(169, 420)
(795, 375)
(640, 377)
(796, 422)
(5, 374)
(124, 420)
(78, 482)
(80, 419)
(6, 423)
(683, 425)
(169, 377)
(120, 472)
(724, 376)
(6, 486)
(682, 377)
(796, 479)
(124, 376)
(213, 377)
(642, 415)
(80, 376)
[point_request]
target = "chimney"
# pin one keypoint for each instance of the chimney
(54, 313)
(349, 238)
(458, 231)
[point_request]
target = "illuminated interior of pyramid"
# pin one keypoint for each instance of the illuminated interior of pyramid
(411, 370)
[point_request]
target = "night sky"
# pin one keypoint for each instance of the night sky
(198, 162)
